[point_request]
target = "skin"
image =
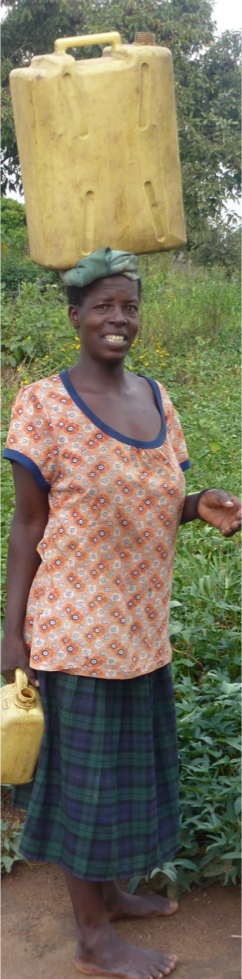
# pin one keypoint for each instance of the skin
(110, 308)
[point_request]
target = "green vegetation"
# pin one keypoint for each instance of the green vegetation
(11, 829)
(10, 839)
(16, 264)
(190, 340)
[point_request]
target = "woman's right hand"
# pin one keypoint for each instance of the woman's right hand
(15, 654)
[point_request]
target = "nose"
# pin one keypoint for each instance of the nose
(118, 316)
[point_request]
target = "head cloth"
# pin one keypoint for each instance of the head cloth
(100, 264)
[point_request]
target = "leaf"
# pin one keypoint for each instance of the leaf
(175, 627)
(214, 446)
(237, 806)
(7, 863)
(235, 855)
(185, 863)
(170, 871)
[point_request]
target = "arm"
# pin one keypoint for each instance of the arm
(29, 522)
(219, 509)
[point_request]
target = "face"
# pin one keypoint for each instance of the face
(108, 319)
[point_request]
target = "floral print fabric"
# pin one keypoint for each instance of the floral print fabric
(99, 603)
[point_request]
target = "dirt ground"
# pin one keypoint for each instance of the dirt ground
(38, 930)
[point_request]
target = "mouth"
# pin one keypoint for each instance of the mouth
(115, 339)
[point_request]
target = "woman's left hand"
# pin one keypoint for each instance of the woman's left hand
(221, 510)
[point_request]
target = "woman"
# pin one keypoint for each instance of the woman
(98, 457)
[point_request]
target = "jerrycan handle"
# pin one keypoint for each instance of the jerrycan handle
(25, 696)
(83, 40)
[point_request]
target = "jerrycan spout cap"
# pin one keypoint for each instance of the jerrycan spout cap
(144, 38)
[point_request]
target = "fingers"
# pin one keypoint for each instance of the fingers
(234, 519)
(231, 533)
(218, 499)
(232, 513)
(228, 500)
(32, 676)
(224, 499)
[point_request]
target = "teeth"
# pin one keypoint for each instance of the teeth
(113, 338)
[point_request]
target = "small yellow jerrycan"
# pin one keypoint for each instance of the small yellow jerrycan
(98, 150)
(22, 728)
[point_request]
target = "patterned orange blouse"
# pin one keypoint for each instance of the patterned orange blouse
(99, 603)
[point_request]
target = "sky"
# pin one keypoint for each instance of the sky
(228, 15)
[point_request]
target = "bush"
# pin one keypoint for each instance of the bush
(210, 799)
(17, 266)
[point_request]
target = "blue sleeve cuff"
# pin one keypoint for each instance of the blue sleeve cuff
(15, 456)
(185, 465)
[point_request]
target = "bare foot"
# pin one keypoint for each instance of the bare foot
(107, 955)
(119, 904)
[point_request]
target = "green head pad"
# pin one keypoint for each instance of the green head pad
(100, 264)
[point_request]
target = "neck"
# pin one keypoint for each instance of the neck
(92, 374)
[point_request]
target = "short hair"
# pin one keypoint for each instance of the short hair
(77, 294)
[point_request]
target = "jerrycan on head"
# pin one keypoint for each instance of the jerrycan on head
(22, 728)
(98, 150)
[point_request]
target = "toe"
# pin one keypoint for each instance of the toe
(172, 908)
(170, 964)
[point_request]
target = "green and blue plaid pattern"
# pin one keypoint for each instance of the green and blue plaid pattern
(104, 803)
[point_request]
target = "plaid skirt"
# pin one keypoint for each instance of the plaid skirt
(104, 803)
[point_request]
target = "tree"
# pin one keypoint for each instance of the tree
(207, 79)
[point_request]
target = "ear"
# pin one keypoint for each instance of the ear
(73, 314)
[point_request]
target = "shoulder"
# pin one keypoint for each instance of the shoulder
(141, 380)
(40, 393)
(41, 388)
(167, 404)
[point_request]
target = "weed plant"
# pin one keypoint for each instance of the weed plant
(10, 840)
(190, 341)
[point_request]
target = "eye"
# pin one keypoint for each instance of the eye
(101, 306)
(133, 309)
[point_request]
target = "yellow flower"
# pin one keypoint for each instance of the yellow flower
(18, 368)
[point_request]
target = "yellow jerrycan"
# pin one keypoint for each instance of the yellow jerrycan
(22, 728)
(98, 149)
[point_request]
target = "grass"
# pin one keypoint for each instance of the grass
(190, 341)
